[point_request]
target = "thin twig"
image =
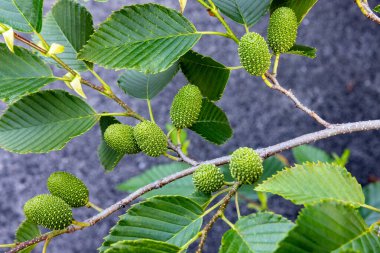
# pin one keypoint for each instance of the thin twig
(277, 86)
(183, 157)
(100, 89)
(217, 215)
(367, 11)
(264, 153)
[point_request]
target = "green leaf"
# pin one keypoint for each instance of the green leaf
(367, 242)
(308, 153)
(143, 246)
(44, 121)
(272, 165)
(377, 9)
(146, 86)
(322, 228)
(212, 124)
(171, 219)
(209, 75)
(302, 50)
(313, 182)
(149, 38)
(371, 193)
(25, 232)
(247, 12)
(22, 15)
(69, 24)
(108, 157)
(183, 186)
(259, 232)
(300, 7)
(21, 73)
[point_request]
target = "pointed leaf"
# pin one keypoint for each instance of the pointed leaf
(144, 245)
(323, 228)
(69, 24)
(212, 124)
(302, 50)
(171, 219)
(300, 7)
(108, 157)
(377, 9)
(22, 15)
(313, 182)
(247, 12)
(272, 165)
(25, 232)
(371, 193)
(209, 75)
(259, 232)
(146, 86)
(149, 38)
(44, 121)
(367, 242)
(21, 73)
(308, 153)
(183, 186)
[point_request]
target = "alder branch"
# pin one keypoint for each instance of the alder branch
(109, 93)
(277, 86)
(334, 130)
(217, 215)
(367, 11)
(182, 156)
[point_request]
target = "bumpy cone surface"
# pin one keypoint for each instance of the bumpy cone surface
(69, 188)
(48, 211)
(150, 138)
(254, 54)
(282, 30)
(208, 178)
(186, 106)
(246, 165)
(120, 138)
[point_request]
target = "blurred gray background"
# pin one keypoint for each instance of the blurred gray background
(342, 84)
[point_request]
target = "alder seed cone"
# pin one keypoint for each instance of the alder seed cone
(246, 165)
(186, 106)
(207, 178)
(254, 54)
(69, 188)
(120, 138)
(48, 211)
(282, 30)
(150, 138)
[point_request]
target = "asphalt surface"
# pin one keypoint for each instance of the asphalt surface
(342, 84)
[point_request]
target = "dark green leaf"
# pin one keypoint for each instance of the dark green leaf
(183, 186)
(171, 219)
(300, 7)
(314, 182)
(259, 232)
(21, 73)
(212, 124)
(69, 24)
(307, 153)
(377, 9)
(149, 38)
(108, 157)
(302, 50)
(143, 246)
(209, 75)
(146, 86)
(25, 232)
(272, 165)
(247, 12)
(22, 15)
(371, 193)
(44, 121)
(322, 228)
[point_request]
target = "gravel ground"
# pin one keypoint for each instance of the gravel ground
(341, 84)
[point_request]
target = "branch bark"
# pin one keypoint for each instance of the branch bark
(277, 86)
(367, 11)
(334, 130)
